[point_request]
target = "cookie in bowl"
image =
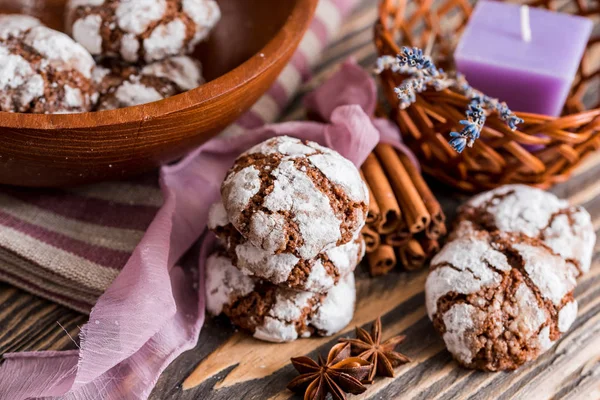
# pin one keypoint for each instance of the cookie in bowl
(42, 70)
(122, 85)
(141, 30)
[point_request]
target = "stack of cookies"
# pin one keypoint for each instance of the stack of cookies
(140, 46)
(501, 291)
(289, 224)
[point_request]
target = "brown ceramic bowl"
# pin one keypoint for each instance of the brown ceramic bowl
(244, 55)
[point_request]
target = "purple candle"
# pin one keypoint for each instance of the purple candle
(532, 74)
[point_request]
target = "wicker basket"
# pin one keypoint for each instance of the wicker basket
(543, 151)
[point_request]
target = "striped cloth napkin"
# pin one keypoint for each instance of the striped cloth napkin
(68, 245)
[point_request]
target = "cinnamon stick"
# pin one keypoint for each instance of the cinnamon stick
(382, 260)
(398, 238)
(414, 211)
(412, 255)
(436, 229)
(371, 237)
(383, 194)
(373, 214)
(429, 246)
(437, 226)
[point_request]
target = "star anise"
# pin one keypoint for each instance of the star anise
(340, 374)
(382, 355)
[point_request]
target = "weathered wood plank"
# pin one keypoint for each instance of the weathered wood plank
(30, 323)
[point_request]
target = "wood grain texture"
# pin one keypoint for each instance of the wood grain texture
(570, 370)
(61, 150)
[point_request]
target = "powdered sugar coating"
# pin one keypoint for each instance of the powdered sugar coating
(278, 267)
(12, 25)
(130, 47)
(312, 197)
(336, 170)
(463, 322)
(247, 184)
(499, 299)
(338, 308)
(224, 282)
(468, 270)
(285, 146)
(205, 14)
(460, 320)
(73, 97)
(518, 208)
(281, 269)
(543, 340)
(295, 193)
(165, 40)
(87, 30)
(19, 84)
(85, 3)
(528, 316)
(217, 216)
(99, 74)
(132, 93)
(276, 330)
(148, 30)
(291, 315)
(62, 53)
(42, 70)
(550, 273)
(136, 16)
(125, 86)
(567, 316)
(183, 71)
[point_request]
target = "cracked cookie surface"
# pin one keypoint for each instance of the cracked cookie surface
(123, 85)
(42, 70)
(273, 313)
(566, 229)
(141, 30)
(318, 275)
(499, 299)
(290, 196)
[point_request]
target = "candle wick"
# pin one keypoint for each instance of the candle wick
(525, 24)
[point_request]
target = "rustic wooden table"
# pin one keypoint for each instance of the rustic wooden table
(230, 365)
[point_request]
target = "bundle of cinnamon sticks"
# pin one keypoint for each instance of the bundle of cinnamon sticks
(405, 219)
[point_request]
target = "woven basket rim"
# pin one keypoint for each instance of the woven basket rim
(380, 30)
(542, 151)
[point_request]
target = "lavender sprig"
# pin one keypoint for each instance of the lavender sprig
(423, 74)
(472, 127)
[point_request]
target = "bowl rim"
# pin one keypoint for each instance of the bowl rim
(258, 64)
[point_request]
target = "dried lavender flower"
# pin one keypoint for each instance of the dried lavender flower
(423, 74)
(472, 127)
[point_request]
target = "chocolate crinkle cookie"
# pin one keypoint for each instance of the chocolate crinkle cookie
(273, 313)
(42, 70)
(566, 229)
(319, 274)
(141, 30)
(499, 299)
(291, 196)
(122, 85)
